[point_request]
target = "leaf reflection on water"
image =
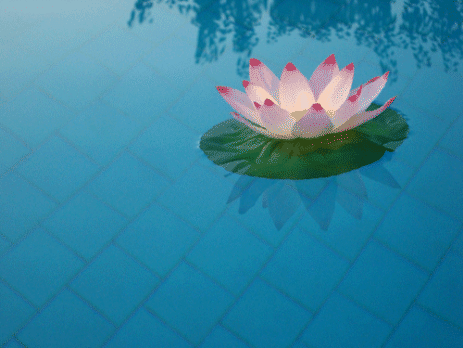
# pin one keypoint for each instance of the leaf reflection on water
(282, 198)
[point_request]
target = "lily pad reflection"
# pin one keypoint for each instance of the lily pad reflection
(240, 150)
(282, 198)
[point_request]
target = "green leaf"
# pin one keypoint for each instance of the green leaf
(238, 149)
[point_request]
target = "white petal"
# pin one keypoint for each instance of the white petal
(277, 120)
(363, 117)
(257, 93)
(371, 90)
(261, 75)
(314, 123)
(240, 102)
(350, 108)
(295, 92)
(337, 91)
(323, 75)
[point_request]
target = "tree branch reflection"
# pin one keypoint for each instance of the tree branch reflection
(424, 26)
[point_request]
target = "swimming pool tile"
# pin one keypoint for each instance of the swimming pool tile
(145, 330)
(4, 244)
(21, 206)
(202, 106)
(14, 344)
(383, 282)
(449, 84)
(100, 132)
(318, 50)
(76, 80)
(418, 231)
(229, 254)
(220, 337)
(168, 146)
(66, 322)
(34, 116)
(319, 201)
(13, 314)
(141, 94)
(38, 267)
(305, 269)
(44, 37)
(385, 179)
(422, 329)
(443, 292)
(157, 25)
(158, 239)
(371, 20)
(395, 85)
(458, 244)
(128, 185)
(441, 171)
(199, 196)
(265, 317)
(345, 233)
(190, 32)
(275, 55)
(106, 49)
(402, 56)
(57, 168)
(425, 131)
(340, 323)
(270, 224)
(22, 68)
(12, 150)
(248, 16)
(299, 344)
(57, 31)
(184, 301)
(114, 278)
(85, 224)
(452, 140)
(304, 15)
(175, 60)
(223, 71)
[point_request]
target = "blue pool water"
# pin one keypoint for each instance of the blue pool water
(116, 230)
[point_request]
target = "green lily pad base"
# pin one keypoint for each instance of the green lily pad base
(240, 150)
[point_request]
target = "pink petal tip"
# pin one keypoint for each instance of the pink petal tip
(317, 107)
(254, 62)
(245, 83)
(350, 67)
(290, 67)
(386, 75)
(330, 60)
(268, 102)
(373, 80)
(222, 90)
(354, 97)
(257, 105)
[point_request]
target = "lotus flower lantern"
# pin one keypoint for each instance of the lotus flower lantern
(294, 107)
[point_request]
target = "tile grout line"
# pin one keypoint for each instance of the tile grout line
(414, 301)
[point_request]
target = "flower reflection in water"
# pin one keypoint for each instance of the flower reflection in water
(282, 198)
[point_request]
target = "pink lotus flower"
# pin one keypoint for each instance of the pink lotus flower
(294, 107)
